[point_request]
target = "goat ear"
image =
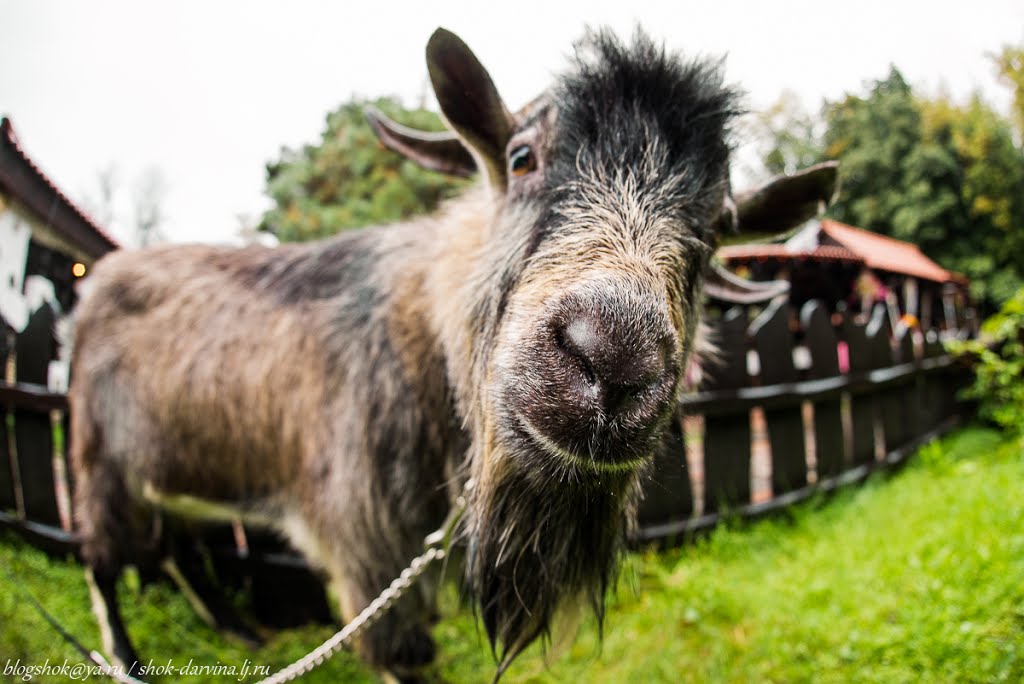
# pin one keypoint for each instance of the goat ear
(470, 103)
(437, 151)
(781, 204)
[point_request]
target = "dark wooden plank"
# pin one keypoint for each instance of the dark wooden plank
(822, 344)
(820, 340)
(879, 351)
(6, 344)
(727, 435)
(34, 440)
(933, 347)
(35, 347)
(904, 343)
(32, 397)
(667, 491)
(941, 386)
(931, 401)
(52, 540)
(774, 343)
(951, 381)
(728, 368)
(911, 394)
(862, 407)
(889, 400)
(726, 461)
(7, 500)
(789, 456)
(69, 472)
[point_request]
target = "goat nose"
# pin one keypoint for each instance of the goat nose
(618, 363)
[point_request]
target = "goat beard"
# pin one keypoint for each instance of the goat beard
(543, 542)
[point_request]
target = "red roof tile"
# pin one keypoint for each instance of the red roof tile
(20, 176)
(887, 254)
(821, 252)
(854, 245)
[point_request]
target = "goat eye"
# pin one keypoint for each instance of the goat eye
(521, 161)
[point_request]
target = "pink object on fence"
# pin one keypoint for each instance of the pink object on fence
(844, 357)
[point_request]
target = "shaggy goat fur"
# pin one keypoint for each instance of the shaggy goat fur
(532, 335)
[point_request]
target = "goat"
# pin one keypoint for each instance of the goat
(531, 335)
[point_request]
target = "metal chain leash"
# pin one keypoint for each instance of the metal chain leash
(371, 614)
(437, 544)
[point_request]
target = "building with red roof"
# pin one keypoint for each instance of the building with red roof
(43, 234)
(854, 268)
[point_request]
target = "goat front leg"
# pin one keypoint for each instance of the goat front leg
(103, 594)
(399, 643)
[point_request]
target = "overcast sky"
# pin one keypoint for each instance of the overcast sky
(208, 92)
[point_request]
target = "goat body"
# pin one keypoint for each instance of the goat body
(532, 335)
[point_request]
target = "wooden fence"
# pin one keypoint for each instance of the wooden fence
(797, 403)
(34, 479)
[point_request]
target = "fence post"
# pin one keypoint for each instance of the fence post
(774, 344)
(33, 430)
(907, 393)
(727, 434)
(8, 502)
(821, 342)
(933, 388)
(668, 495)
(862, 404)
(889, 400)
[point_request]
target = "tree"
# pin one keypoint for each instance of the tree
(147, 206)
(106, 187)
(945, 176)
(139, 216)
(873, 137)
(787, 136)
(350, 179)
(990, 248)
(1010, 64)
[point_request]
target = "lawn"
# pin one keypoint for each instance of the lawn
(913, 577)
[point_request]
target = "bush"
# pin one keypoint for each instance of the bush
(349, 179)
(998, 358)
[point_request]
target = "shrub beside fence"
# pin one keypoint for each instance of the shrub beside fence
(797, 403)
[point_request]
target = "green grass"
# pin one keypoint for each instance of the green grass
(913, 577)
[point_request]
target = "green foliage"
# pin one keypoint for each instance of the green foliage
(944, 176)
(985, 240)
(998, 357)
(948, 177)
(910, 578)
(873, 136)
(350, 179)
(1010, 63)
(789, 136)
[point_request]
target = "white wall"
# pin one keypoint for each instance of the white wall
(14, 236)
(20, 297)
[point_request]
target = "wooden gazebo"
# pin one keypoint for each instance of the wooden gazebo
(854, 269)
